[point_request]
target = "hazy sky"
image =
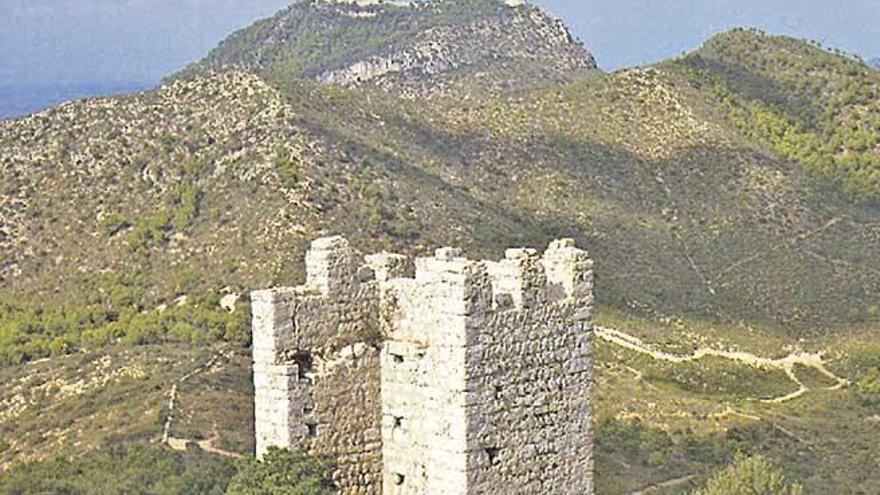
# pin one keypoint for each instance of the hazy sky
(75, 41)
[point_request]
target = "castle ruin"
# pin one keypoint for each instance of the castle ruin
(443, 376)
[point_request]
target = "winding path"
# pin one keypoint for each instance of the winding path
(666, 484)
(786, 364)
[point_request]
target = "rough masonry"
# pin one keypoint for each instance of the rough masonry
(439, 376)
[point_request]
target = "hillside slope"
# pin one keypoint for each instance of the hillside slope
(656, 421)
(217, 183)
(447, 46)
(819, 108)
(124, 220)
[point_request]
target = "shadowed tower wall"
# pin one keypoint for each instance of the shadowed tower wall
(486, 376)
(470, 378)
(316, 364)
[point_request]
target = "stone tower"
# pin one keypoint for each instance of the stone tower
(445, 376)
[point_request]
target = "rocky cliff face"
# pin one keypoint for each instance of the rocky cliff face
(414, 49)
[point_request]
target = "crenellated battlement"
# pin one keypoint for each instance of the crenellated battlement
(414, 374)
(523, 275)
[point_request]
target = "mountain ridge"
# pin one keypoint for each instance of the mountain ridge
(125, 220)
(324, 152)
(418, 48)
(19, 100)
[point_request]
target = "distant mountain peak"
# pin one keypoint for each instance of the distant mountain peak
(408, 47)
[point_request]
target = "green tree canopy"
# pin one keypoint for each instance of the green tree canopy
(868, 387)
(282, 472)
(750, 476)
(121, 470)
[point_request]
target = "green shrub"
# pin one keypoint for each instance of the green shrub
(187, 203)
(634, 441)
(868, 387)
(750, 476)
(282, 472)
(149, 231)
(121, 470)
(288, 170)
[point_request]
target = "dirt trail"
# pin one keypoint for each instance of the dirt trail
(666, 484)
(180, 444)
(786, 364)
(172, 400)
(785, 245)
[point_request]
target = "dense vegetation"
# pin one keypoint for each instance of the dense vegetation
(750, 475)
(151, 470)
(31, 331)
(682, 453)
(282, 472)
(631, 446)
(121, 470)
(819, 108)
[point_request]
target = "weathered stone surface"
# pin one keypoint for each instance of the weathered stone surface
(449, 49)
(459, 378)
(316, 366)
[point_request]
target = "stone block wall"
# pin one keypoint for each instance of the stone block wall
(316, 366)
(459, 377)
(424, 375)
(486, 376)
(529, 378)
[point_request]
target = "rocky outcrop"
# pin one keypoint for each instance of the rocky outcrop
(444, 55)
(414, 49)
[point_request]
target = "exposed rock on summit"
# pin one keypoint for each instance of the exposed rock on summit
(412, 48)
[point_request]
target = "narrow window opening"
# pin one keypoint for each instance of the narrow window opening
(493, 453)
(303, 362)
(399, 479)
(398, 421)
(313, 429)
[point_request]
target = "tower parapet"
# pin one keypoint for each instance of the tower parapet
(442, 375)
